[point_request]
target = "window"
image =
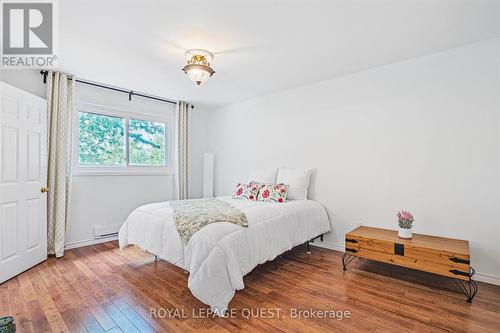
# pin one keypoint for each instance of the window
(146, 140)
(101, 140)
(112, 142)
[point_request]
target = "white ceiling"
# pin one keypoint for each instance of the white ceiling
(260, 46)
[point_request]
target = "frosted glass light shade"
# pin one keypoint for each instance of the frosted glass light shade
(198, 73)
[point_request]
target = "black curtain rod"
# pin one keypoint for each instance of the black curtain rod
(104, 86)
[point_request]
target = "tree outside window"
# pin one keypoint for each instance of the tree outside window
(102, 141)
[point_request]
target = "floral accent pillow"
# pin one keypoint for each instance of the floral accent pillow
(246, 191)
(273, 193)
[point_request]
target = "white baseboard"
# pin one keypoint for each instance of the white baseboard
(329, 246)
(87, 242)
(486, 278)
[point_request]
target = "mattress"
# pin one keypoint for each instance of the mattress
(220, 254)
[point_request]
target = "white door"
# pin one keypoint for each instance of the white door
(23, 177)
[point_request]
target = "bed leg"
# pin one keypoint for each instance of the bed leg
(156, 257)
(308, 249)
(275, 262)
(321, 237)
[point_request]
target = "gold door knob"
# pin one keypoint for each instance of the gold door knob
(44, 190)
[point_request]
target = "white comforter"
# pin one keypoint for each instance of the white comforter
(220, 254)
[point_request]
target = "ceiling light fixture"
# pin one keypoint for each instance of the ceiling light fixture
(198, 67)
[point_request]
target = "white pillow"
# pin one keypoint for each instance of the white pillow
(263, 176)
(297, 180)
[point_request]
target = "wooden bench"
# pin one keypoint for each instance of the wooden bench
(443, 256)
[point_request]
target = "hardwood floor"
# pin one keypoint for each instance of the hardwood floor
(100, 288)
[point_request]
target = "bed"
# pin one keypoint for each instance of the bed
(220, 254)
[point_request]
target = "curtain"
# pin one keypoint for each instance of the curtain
(182, 150)
(60, 93)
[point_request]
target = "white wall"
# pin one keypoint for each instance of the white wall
(28, 80)
(105, 200)
(422, 135)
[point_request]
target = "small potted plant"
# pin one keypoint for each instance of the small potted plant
(405, 220)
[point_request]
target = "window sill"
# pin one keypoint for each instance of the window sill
(91, 173)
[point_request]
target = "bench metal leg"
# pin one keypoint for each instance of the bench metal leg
(468, 288)
(346, 260)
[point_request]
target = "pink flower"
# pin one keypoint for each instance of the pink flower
(239, 191)
(405, 216)
(265, 194)
(250, 197)
(280, 199)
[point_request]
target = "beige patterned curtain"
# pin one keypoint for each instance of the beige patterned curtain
(60, 93)
(182, 150)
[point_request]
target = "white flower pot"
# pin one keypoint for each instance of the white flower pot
(404, 233)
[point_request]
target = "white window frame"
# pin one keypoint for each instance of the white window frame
(92, 170)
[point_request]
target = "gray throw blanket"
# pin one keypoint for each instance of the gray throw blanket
(192, 215)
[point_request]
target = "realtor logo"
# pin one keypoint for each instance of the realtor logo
(28, 34)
